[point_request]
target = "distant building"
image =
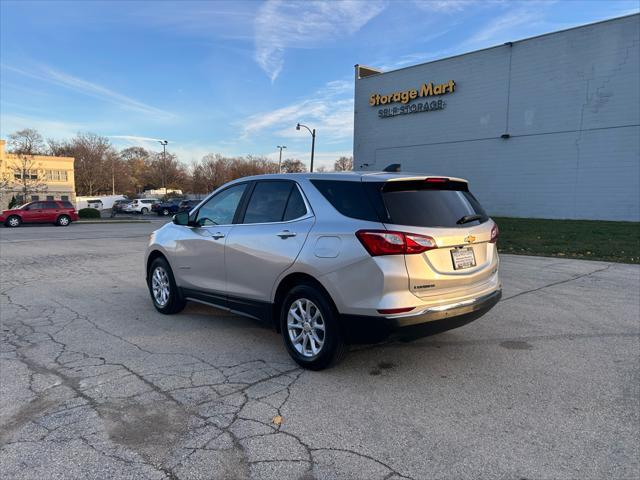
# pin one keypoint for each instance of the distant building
(51, 177)
(545, 127)
(155, 192)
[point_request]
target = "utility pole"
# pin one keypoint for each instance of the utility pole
(280, 160)
(113, 175)
(164, 165)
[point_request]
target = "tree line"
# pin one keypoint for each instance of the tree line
(101, 168)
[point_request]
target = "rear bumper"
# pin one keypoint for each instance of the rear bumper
(428, 321)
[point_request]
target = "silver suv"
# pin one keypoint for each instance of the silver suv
(332, 259)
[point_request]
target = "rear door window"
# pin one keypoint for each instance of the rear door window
(51, 205)
(296, 207)
(268, 202)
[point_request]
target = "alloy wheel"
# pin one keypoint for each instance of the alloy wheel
(160, 286)
(14, 221)
(306, 327)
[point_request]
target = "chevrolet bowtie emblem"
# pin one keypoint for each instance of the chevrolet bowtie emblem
(470, 239)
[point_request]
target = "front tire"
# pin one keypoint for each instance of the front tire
(311, 329)
(13, 221)
(163, 289)
(165, 211)
(63, 221)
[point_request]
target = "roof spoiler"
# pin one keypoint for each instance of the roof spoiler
(392, 168)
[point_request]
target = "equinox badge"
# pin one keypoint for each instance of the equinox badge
(470, 239)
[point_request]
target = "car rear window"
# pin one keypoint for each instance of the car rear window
(348, 197)
(413, 203)
(424, 204)
(66, 204)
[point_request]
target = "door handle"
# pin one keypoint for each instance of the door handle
(217, 235)
(286, 234)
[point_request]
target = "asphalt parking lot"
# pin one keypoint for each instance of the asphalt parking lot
(96, 384)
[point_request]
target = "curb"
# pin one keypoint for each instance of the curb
(103, 222)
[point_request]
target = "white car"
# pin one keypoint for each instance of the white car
(141, 205)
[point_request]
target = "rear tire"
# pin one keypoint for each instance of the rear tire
(144, 210)
(307, 312)
(163, 289)
(63, 221)
(13, 221)
(165, 211)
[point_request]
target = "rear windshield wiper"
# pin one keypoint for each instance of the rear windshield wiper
(470, 218)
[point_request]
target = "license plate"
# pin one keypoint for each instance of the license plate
(463, 258)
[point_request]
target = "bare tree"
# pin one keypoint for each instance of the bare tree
(92, 165)
(291, 165)
(134, 161)
(343, 164)
(23, 177)
(27, 141)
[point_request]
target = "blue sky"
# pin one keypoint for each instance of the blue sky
(235, 77)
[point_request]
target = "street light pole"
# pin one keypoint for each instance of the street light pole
(113, 175)
(313, 141)
(164, 164)
(280, 160)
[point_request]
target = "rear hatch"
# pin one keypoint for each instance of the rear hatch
(441, 208)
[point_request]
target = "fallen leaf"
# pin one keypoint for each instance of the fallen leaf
(277, 420)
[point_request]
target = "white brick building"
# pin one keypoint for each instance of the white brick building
(546, 127)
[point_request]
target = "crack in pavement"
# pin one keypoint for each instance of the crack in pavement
(231, 405)
(553, 284)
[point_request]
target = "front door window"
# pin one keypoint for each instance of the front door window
(221, 208)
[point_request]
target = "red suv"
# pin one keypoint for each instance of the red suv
(58, 212)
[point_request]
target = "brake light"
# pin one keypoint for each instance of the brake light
(386, 242)
(436, 180)
(495, 232)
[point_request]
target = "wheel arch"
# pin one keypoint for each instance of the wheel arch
(151, 257)
(286, 284)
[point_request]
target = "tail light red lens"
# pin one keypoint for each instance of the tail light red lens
(386, 242)
(436, 180)
(495, 233)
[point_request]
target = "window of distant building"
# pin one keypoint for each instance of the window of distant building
(22, 174)
(56, 175)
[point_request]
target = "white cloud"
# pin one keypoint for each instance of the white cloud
(281, 25)
(329, 111)
(505, 25)
(451, 6)
(48, 128)
(79, 85)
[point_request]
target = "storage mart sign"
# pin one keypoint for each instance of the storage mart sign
(406, 98)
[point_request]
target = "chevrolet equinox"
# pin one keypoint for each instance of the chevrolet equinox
(332, 258)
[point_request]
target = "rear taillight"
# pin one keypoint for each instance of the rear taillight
(495, 232)
(387, 242)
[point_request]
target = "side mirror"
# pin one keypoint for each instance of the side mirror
(181, 218)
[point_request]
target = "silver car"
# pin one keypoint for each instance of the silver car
(331, 259)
